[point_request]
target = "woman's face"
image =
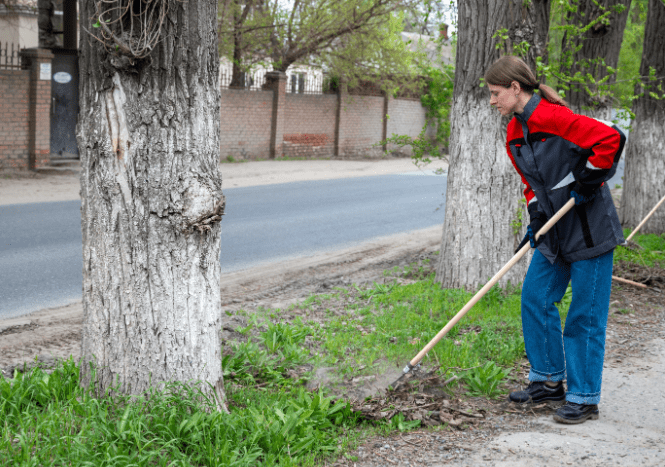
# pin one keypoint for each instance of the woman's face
(504, 99)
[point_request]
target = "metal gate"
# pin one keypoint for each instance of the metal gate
(64, 103)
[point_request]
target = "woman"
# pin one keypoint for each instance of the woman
(560, 154)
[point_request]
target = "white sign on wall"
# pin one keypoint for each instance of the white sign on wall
(45, 71)
(62, 77)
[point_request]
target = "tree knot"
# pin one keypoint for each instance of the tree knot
(205, 221)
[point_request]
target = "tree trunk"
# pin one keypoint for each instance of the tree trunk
(151, 205)
(237, 74)
(600, 41)
(530, 25)
(46, 35)
(239, 16)
(484, 189)
(644, 177)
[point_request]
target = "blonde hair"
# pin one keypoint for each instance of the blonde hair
(510, 68)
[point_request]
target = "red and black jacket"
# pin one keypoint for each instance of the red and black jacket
(551, 147)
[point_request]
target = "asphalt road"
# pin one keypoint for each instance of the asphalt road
(40, 244)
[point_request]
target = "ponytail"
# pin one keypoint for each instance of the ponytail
(510, 68)
(551, 95)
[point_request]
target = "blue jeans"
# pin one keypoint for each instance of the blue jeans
(586, 323)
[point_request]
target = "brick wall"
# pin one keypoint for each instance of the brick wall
(360, 126)
(14, 126)
(25, 113)
(40, 122)
(245, 123)
(406, 117)
(309, 125)
(264, 124)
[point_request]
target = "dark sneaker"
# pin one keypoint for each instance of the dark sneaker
(538, 391)
(572, 413)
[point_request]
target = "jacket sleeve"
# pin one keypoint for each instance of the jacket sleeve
(531, 200)
(603, 142)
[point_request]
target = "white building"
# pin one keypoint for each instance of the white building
(18, 24)
(300, 78)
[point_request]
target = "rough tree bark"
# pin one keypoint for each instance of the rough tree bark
(600, 41)
(484, 189)
(530, 25)
(151, 205)
(644, 176)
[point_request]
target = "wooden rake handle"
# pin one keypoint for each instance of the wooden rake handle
(639, 226)
(548, 225)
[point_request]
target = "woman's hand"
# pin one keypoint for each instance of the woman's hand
(583, 193)
(538, 220)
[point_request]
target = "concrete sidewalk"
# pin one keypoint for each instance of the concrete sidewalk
(31, 187)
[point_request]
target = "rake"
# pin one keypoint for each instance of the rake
(544, 229)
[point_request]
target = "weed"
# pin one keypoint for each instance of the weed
(400, 320)
(51, 420)
(378, 289)
(516, 223)
(399, 423)
(282, 336)
(566, 300)
(484, 381)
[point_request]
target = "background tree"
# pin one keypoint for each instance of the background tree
(314, 28)
(151, 195)
(590, 54)
(426, 16)
(46, 34)
(350, 39)
(379, 55)
(630, 56)
(244, 34)
(484, 190)
(644, 176)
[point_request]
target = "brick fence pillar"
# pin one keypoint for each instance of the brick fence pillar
(276, 80)
(342, 98)
(38, 61)
(387, 99)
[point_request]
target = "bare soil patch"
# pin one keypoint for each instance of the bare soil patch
(650, 276)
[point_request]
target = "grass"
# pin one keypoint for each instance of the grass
(48, 419)
(651, 254)
(389, 324)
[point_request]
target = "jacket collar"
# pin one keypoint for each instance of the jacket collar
(529, 108)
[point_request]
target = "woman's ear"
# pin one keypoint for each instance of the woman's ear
(515, 86)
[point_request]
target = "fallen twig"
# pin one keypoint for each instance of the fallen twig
(450, 380)
(629, 282)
